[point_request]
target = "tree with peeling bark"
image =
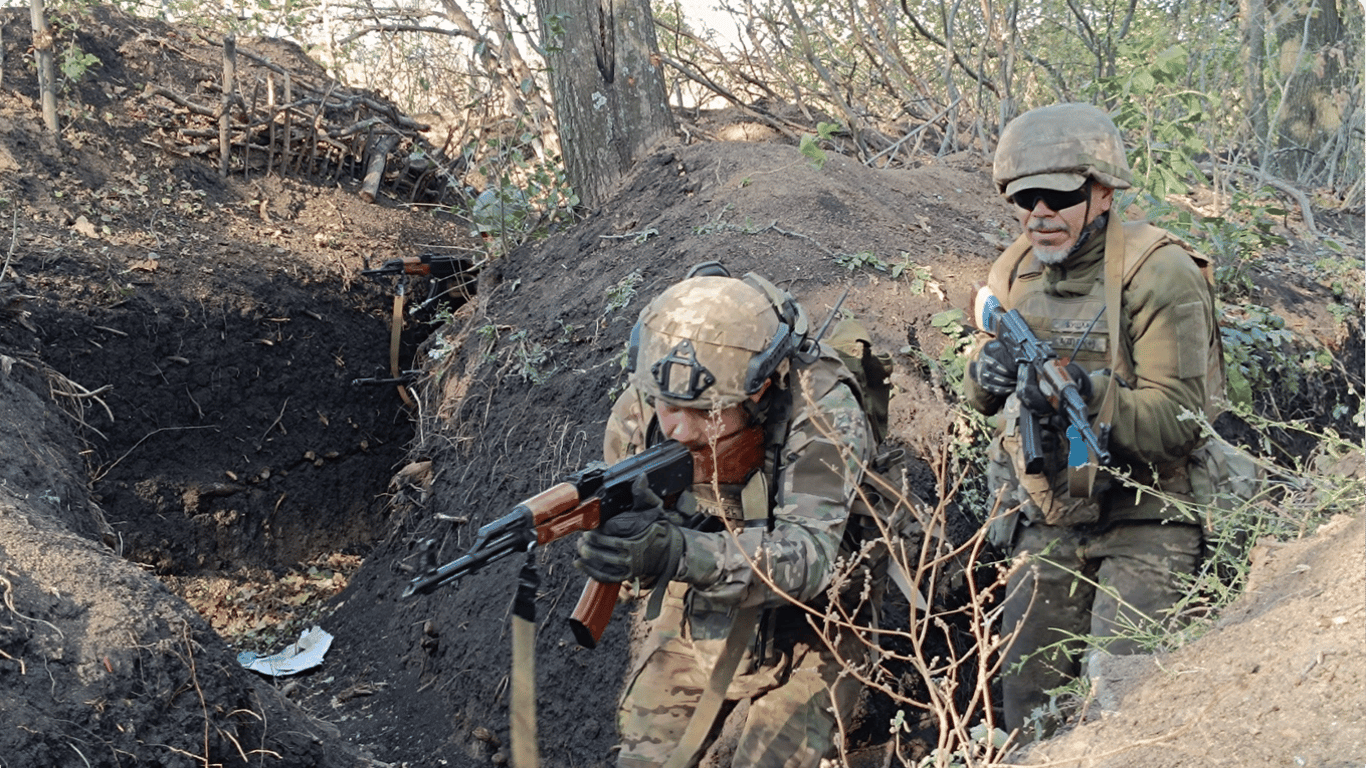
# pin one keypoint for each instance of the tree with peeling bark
(608, 88)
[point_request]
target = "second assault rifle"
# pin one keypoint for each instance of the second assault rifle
(1032, 354)
(426, 265)
(586, 500)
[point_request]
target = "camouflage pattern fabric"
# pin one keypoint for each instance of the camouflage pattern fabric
(699, 337)
(789, 722)
(1052, 599)
(1058, 147)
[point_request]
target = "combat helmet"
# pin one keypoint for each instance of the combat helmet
(711, 341)
(498, 210)
(1060, 147)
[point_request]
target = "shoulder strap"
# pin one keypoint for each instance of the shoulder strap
(1006, 267)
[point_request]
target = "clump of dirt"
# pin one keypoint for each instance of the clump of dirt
(202, 335)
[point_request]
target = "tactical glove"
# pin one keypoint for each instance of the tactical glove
(638, 544)
(994, 370)
(1033, 398)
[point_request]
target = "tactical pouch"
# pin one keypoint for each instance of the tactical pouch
(1224, 479)
(1046, 497)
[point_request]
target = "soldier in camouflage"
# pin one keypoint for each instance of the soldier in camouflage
(1100, 564)
(779, 442)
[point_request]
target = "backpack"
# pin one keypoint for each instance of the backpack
(885, 518)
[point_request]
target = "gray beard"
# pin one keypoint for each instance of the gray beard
(1053, 256)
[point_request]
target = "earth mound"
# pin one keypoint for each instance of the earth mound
(186, 459)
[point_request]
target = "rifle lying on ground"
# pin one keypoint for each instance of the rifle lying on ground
(1030, 353)
(426, 265)
(587, 499)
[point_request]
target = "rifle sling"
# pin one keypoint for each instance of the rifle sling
(1082, 480)
(523, 673)
(395, 332)
(743, 626)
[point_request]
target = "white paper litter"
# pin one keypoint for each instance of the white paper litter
(306, 653)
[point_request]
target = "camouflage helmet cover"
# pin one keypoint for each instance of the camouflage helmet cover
(1059, 147)
(707, 342)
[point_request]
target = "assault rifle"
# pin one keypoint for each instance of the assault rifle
(587, 499)
(426, 265)
(1030, 353)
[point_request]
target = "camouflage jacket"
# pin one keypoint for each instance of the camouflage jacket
(821, 464)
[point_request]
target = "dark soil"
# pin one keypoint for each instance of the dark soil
(189, 470)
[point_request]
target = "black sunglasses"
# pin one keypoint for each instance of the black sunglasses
(1055, 200)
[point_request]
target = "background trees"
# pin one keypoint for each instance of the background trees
(1208, 91)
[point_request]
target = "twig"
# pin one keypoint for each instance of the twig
(13, 242)
(277, 421)
(104, 472)
(9, 603)
(1306, 214)
(78, 752)
(22, 669)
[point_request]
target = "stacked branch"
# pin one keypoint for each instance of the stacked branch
(264, 119)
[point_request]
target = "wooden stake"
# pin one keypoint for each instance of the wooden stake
(225, 105)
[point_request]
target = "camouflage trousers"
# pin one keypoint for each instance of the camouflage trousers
(793, 701)
(1119, 584)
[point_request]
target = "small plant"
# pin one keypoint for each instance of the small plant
(75, 63)
(529, 358)
(619, 296)
(713, 226)
(919, 276)
(1258, 353)
(862, 259)
(488, 339)
(810, 147)
(952, 360)
(566, 332)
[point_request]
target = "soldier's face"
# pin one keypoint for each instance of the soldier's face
(699, 427)
(1053, 233)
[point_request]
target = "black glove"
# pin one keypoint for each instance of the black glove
(637, 544)
(1032, 396)
(994, 370)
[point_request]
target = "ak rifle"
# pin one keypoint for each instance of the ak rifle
(1031, 353)
(585, 500)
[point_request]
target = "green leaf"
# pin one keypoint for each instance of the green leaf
(812, 152)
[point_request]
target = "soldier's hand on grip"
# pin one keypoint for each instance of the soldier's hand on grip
(639, 544)
(994, 370)
(1035, 399)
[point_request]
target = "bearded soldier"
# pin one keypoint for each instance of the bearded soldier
(725, 366)
(1129, 309)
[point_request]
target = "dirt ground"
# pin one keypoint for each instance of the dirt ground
(189, 472)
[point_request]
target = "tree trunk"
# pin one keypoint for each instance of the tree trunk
(1315, 82)
(1254, 52)
(608, 87)
(43, 43)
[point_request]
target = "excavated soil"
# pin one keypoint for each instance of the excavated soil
(188, 470)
